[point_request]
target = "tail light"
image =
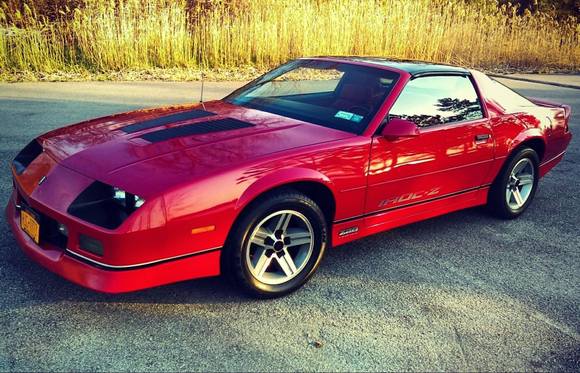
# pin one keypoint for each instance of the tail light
(567, 113)
(563, 116)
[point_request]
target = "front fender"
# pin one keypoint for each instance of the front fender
(279, 178)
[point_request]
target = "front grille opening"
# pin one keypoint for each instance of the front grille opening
(97, 205)
(51, 233)
(26, 156)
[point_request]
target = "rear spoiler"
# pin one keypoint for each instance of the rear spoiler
(562, 115)
(551, 104)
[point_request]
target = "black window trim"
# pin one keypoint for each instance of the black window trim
(438, 73)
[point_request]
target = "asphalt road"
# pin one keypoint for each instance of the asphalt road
(460, 292)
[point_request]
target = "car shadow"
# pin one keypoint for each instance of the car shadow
(33, 284)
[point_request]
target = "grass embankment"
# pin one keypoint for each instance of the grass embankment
(235, 39)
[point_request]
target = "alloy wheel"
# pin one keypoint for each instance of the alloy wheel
(279, 247)
(520, 184)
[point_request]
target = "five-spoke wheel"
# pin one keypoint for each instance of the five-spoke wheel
(279, 247)
(520, 184)
(514, 188)
(276, 245)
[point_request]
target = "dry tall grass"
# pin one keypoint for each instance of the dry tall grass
(106, 35)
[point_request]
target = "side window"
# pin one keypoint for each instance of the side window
(434, 100)
(511, 101)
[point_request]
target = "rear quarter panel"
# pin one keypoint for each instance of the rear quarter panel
(510, 130)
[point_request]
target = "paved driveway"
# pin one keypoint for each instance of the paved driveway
(460, 292)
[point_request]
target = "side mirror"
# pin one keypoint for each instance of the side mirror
(397, 128)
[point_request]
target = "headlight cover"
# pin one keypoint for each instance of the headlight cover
(104, 205)
(26, 156)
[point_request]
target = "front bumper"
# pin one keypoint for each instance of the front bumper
(112, 280)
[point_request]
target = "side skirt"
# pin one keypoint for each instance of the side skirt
(352, 229)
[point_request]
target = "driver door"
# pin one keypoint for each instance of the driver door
(451, 155)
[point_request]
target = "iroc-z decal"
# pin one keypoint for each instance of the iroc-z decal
(411, 196)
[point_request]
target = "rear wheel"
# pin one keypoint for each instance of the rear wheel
(515, 187)
(276, 245)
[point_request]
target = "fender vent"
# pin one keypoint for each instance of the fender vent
(201, 128)
(179, 117)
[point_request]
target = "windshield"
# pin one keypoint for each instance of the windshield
(330, 94)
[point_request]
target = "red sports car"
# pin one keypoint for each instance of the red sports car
(316, 153)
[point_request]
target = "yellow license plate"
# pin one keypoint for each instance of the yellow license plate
(29, 225)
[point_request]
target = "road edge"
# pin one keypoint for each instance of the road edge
(571, 86)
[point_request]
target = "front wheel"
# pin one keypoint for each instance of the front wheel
(276, 245)
(515, 187)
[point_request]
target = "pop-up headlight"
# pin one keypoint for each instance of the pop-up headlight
(26, 156)
(127, 200)
(105, 205)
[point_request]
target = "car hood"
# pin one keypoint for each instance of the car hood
(143, 151)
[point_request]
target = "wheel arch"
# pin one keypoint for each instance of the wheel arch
(531, 139)
(496, 196)
(307, 181)
(536, 143)
(311, 183)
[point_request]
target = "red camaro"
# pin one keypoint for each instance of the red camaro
(316, 153)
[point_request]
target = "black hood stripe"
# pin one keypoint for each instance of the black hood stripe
(172, 118)
(199, 128)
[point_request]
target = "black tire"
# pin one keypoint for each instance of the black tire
(234, 263)
(497, 201)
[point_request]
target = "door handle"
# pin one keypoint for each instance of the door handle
(482, 138)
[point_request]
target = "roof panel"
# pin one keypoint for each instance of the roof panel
(411, 66)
